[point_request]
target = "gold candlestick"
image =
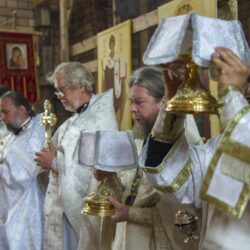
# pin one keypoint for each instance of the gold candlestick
(48, 120)
(97, 203)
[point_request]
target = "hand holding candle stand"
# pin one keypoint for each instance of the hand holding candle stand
(108, 152)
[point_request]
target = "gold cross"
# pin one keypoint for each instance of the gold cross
(48, 120)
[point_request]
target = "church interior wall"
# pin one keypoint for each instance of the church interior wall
(87, 18)
(24, 12)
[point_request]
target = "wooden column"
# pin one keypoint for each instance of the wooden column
(64, 31)
(248, 29)
(144, 36)
(114, 12)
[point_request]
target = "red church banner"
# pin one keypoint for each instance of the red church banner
(17, 64)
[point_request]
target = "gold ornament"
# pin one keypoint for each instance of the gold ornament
(188, 224)
(97, 203)
(48, 120)
(192, 98)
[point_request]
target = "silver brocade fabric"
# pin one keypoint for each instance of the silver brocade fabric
(108, 150)
(180, 35)
(21, 198)
(237, 236)
(66, 190)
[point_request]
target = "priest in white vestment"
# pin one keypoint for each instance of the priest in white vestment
(147, 221)
(70, 182)
(217, 172)
(22, 199)
(213, 176)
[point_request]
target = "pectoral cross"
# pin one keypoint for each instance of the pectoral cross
(48, 120)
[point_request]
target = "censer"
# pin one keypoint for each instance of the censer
(188, 225)
(192, 97)
(106, 151)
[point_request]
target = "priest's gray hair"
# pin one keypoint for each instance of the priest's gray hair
(150, 78)
(75, 75)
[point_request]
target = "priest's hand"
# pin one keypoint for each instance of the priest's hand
(101, 175)
(175, 75)
(121, 211)
(45, 157)
(232, 71)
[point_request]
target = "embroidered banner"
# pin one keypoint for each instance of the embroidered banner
(17, 64)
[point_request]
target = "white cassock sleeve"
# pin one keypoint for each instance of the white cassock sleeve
(189, 172)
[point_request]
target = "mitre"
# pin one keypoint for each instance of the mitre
(110, 151)
(196, 35)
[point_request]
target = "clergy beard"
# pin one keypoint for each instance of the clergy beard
(72, 107)
(69, 108)
(142, 131)
(15, 126)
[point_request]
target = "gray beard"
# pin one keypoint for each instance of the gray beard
(12, 128)
(68, 108)
(142, 132)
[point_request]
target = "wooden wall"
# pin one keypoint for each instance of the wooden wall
(24, 15)
(88, 17)
(143, 26)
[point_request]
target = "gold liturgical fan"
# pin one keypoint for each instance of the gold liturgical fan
(192, 98)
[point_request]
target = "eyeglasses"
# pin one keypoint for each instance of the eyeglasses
(61, 92)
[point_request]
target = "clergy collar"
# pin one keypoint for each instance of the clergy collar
(82, 108)
(23, 127)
